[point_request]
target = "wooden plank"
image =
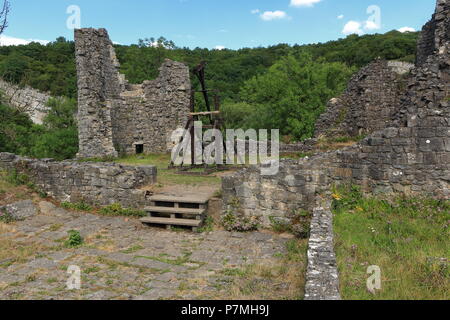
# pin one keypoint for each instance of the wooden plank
(193, 199)
(204, 113)
(187, 211)
(172, 222)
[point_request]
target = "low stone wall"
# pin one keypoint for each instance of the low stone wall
(26, 99)
(295, 186)
(93, 183)
(322, 278)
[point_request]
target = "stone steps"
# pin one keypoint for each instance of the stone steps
(175, 210)
(188, 211)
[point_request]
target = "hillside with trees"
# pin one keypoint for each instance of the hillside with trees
(283, 86)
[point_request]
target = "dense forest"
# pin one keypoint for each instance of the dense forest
(282, 86)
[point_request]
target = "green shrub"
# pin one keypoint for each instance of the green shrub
(75, 240)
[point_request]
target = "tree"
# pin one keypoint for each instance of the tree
(4, 16)
(291, 95)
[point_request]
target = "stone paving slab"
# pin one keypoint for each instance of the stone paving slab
(121, 259)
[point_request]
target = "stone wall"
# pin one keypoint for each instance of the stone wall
(435, 33)
(26, 99)
(322, 278)
(372, 97)
(115, 116)
(93, 183)
(248, 193)
(147, 114)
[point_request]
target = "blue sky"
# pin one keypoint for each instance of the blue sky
(217, 23)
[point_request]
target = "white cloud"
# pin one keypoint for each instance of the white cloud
(219, 47)
(274, 15)
(340, 17)
(370, 25)
(304, 3)
(406, 29)
(255, 11)
(352, 27)
(11, 41)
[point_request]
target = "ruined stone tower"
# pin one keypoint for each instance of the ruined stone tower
(115, 117)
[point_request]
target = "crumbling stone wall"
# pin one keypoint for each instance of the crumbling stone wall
(25, 99)
(278, 197)
(98, 84)
(372, 97)
(115, 116)
(147, 114)
(93, 183)
(435, 33)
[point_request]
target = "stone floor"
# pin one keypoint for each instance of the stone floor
(121, 259)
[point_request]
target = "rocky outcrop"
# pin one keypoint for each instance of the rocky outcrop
(20, 210)
(25, 99)
(116, 117)
(89, 182)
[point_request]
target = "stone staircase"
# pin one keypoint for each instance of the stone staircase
(176, 211)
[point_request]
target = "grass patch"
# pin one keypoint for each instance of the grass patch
(116, 210)
(406, 237)
(78, 206)
(166, 176)
(285, 276)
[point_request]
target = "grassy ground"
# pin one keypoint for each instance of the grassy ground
(12, 190)
(166, 176)
(251, 282)
(408, 238)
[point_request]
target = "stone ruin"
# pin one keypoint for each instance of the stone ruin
(115, 117)
(407, 151)
(404, 111)
(369, 103)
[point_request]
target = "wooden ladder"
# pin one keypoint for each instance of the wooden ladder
(176, 211)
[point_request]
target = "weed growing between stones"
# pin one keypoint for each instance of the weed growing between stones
(233, 222)
(6, 217)
(298, 223)
(117, 210)
(208, 225)
(75, 240)
(78, 206)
